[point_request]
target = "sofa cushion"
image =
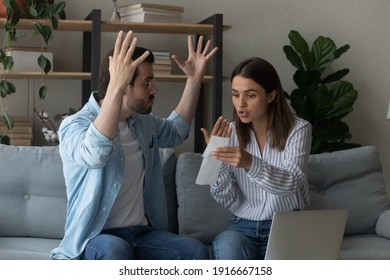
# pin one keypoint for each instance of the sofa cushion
(32, 193)
(168, 162)
(349, 179)
(383, 225)
(199, 215)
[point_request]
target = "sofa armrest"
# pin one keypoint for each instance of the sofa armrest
(383, 225)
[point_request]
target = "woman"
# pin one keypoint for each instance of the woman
(264, 167)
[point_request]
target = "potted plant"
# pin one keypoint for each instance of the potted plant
(321, 97)
(47, 11)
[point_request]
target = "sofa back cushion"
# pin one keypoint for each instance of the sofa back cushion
(350, 179)
(199, 215)
(168, 162)
(32, 192)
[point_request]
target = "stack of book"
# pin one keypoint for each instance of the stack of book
(147, 12)
(21, 132)
(162, 63)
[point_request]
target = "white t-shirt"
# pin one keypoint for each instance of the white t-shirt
(128, 208)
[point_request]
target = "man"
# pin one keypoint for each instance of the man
(110, 153)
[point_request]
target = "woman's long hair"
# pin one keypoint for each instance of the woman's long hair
(280, 115)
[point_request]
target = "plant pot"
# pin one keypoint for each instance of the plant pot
(3, 9)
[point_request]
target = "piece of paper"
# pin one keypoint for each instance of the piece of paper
(209, 169)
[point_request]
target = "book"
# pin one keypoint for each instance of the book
(162, 61)
(21, 135)
(150, 12)
(143, 17)
(162, 67)
(151, 6)
(162, 54)
(20, 142)
(16, 129)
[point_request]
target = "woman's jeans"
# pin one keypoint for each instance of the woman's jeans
(143, 243)
(242, 240)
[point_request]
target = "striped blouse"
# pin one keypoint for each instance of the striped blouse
(276, 181)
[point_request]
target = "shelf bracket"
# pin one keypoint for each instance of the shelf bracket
(91, 54)
(216, 111)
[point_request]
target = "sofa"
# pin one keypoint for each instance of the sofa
(33, 200)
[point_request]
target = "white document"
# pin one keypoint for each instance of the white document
(209, 170)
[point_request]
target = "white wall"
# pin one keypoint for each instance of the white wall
(260, 28)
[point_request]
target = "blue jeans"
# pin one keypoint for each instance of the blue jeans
(143, 243)
(242, 240)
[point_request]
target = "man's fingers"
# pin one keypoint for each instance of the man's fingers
(213, 51)
(118, 43)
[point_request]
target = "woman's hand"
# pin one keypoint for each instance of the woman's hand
(233, 156)
(221, 129)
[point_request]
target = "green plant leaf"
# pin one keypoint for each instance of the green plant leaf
(293, 57)
(54, 22)
(4, 139)
(8, 63)
(303, 79)
(301, 46)
(44, 63)
(8, 120)
(33, 12)
(42, 92)
(60, 7)
(6, 88)
(323, 52)
(44, 30)
(7, 4)
(344, 96)
(333, 77)
(340, 51)
(334, 131)
(320, 100)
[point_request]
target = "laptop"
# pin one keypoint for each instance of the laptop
(306, 235)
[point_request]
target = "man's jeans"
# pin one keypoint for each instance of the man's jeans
(242, 240)
(143, 243)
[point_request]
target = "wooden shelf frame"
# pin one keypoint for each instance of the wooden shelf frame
(116, 26)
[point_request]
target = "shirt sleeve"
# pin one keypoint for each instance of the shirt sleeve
(291, 174)
(226, 190)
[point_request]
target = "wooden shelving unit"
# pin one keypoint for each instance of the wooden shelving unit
(93, 26)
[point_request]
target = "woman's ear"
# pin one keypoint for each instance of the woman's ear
(271, 96)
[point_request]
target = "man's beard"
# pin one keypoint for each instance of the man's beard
(140, 107)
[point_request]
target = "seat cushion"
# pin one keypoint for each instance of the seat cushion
(365, 247)
(25, 248)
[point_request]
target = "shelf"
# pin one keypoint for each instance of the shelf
(50, 75)
(116, 26)
(87, 76)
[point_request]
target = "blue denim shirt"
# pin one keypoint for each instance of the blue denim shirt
(93, 167)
